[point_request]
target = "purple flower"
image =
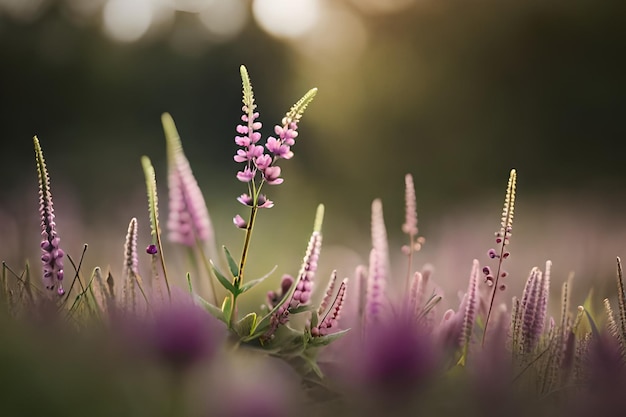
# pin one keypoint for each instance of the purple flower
(330, 322)
(183, 333)
(272, 175)
(151, 249)
(246, 175)
(273, 297)
(304, 285)
(240, 222)
(252, 154)
(51, 253)
(263, 162)
(378, 266)
(189, 219)
(397, 359)
(262, 201)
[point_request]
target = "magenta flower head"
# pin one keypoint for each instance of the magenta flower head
(51, 253)
(189, 220)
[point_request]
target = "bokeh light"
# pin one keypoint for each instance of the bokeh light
(127, 20)
(224, 18)
(286, 18)
(338, 37)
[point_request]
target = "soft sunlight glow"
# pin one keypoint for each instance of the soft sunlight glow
(339, 37)
(286, 18)
(191, 6)
(21, 9)
(382, 6)
(127, 20)
(224, 18)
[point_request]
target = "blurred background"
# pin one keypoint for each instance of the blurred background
(455, 92)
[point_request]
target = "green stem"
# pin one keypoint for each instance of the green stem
(233, 310)
(246, 246)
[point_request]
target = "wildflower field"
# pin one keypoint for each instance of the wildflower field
(375, 341)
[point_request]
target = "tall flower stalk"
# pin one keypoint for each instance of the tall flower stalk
(260, 162)
(502, 240)
(51, 254)
(189, 223)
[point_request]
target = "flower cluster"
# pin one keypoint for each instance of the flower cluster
(259, 159)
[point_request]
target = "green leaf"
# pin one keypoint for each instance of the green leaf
(325, 340)
(288, 340)
(232, 265)
(315, 319)
(227, 308)
(210, 308)
(222, 279)
(245, 326)
(254, 282)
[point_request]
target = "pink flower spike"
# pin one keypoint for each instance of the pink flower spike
(240, 222)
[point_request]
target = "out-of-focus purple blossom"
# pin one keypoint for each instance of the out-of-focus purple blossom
(188, 221)
(471, 306)
(51, 254)
(131, 261)
(396, 360)
(130, 269)
(247, 386)
(604, 367)
(378, 266)
(529, 310)
(183, 333)
(410, 222)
